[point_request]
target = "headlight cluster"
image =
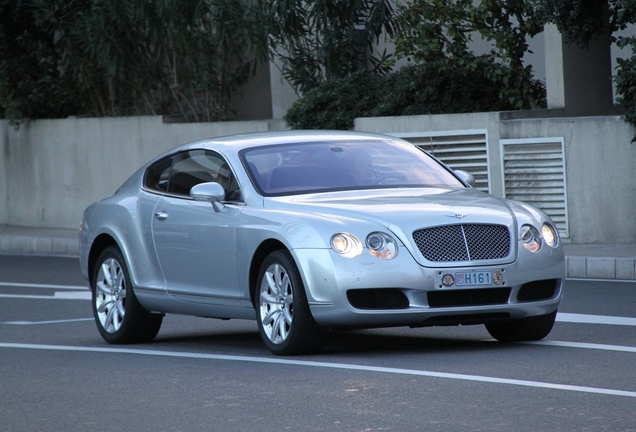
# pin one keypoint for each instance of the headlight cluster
(533, 239)
(379, 244)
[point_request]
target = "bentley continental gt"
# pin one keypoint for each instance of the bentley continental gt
(309, 231)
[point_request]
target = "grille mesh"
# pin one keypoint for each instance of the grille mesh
(468, 242)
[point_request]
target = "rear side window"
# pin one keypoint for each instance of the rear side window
(158, 174)
(177, 174)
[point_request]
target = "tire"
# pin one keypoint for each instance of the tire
(284, 319)
(525, 329)
(119, 316)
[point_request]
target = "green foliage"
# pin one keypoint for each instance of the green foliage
(320, 40)
(114, 57)
(431, 89)
(439, 32)
(412, 90)
(336, 103)
(31, 81)
(626, 87)
(578, 20)
(624, 13)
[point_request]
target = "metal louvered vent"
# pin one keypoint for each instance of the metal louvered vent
(534, 172)
(460, 150)
(468, 242)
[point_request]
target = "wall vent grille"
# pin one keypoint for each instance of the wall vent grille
(534, 172)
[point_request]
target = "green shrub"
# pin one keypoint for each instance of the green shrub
(412, 90)
(336, 103)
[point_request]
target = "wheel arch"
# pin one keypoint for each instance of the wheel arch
(101, 243)
(264, 249)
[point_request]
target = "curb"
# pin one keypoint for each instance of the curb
(35, 241)
(580, 267)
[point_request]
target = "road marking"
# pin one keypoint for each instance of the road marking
(46, 322)
(78, 295)
(602, 347)
(30, 285)
(342, 366)
(72, 295)
(595, 319)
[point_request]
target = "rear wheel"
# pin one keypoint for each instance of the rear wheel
(525, 329)
(119, 316)
(284, 319)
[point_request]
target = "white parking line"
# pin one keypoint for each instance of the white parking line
(584, 345)
(342, 366)
(31, 285)
(46, 322)
(79, 295)
(595, 319)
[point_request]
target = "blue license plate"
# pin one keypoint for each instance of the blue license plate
(476, 278)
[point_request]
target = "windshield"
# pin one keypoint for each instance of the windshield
(312, 167)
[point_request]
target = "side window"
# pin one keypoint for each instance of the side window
(200, 166)
(157, 175)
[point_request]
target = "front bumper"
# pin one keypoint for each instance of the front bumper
(330, 280)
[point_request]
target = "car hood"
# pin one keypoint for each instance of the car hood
(409, 208)
(403, 211)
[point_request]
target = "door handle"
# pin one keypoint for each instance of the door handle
(161, 216)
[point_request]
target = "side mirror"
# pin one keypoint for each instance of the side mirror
(466, 177)
(211, 192)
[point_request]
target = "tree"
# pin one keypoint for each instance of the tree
(321, 40)
(579, 21)
(439, 33)
(32, 83)
(118, 57)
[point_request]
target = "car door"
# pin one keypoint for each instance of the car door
(195, 245)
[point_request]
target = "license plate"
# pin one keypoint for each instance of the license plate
(476, 278)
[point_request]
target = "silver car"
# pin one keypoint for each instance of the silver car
(310, 231)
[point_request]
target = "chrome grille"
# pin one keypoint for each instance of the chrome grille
(467, 242)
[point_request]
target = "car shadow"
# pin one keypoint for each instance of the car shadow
(342, 342)
(244, 338)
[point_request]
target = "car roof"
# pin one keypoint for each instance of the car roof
(239, 142)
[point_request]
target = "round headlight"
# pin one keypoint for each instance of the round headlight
(550, 235)
(346, 245)
(530, 238)
(382, 245)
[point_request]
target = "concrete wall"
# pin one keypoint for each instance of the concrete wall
(600, 163)
(601, 173)
(52, 169)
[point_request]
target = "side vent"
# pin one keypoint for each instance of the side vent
(534, 172)
(461, 150)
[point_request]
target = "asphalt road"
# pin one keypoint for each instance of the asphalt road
(57, 374)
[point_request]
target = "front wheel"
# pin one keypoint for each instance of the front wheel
(119, 316)
(525, 329)
(284, 319)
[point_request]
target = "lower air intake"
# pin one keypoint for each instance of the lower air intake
(380, 298)
(537, 290)
(469, 297)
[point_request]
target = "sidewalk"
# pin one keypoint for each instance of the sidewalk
(611, 262)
